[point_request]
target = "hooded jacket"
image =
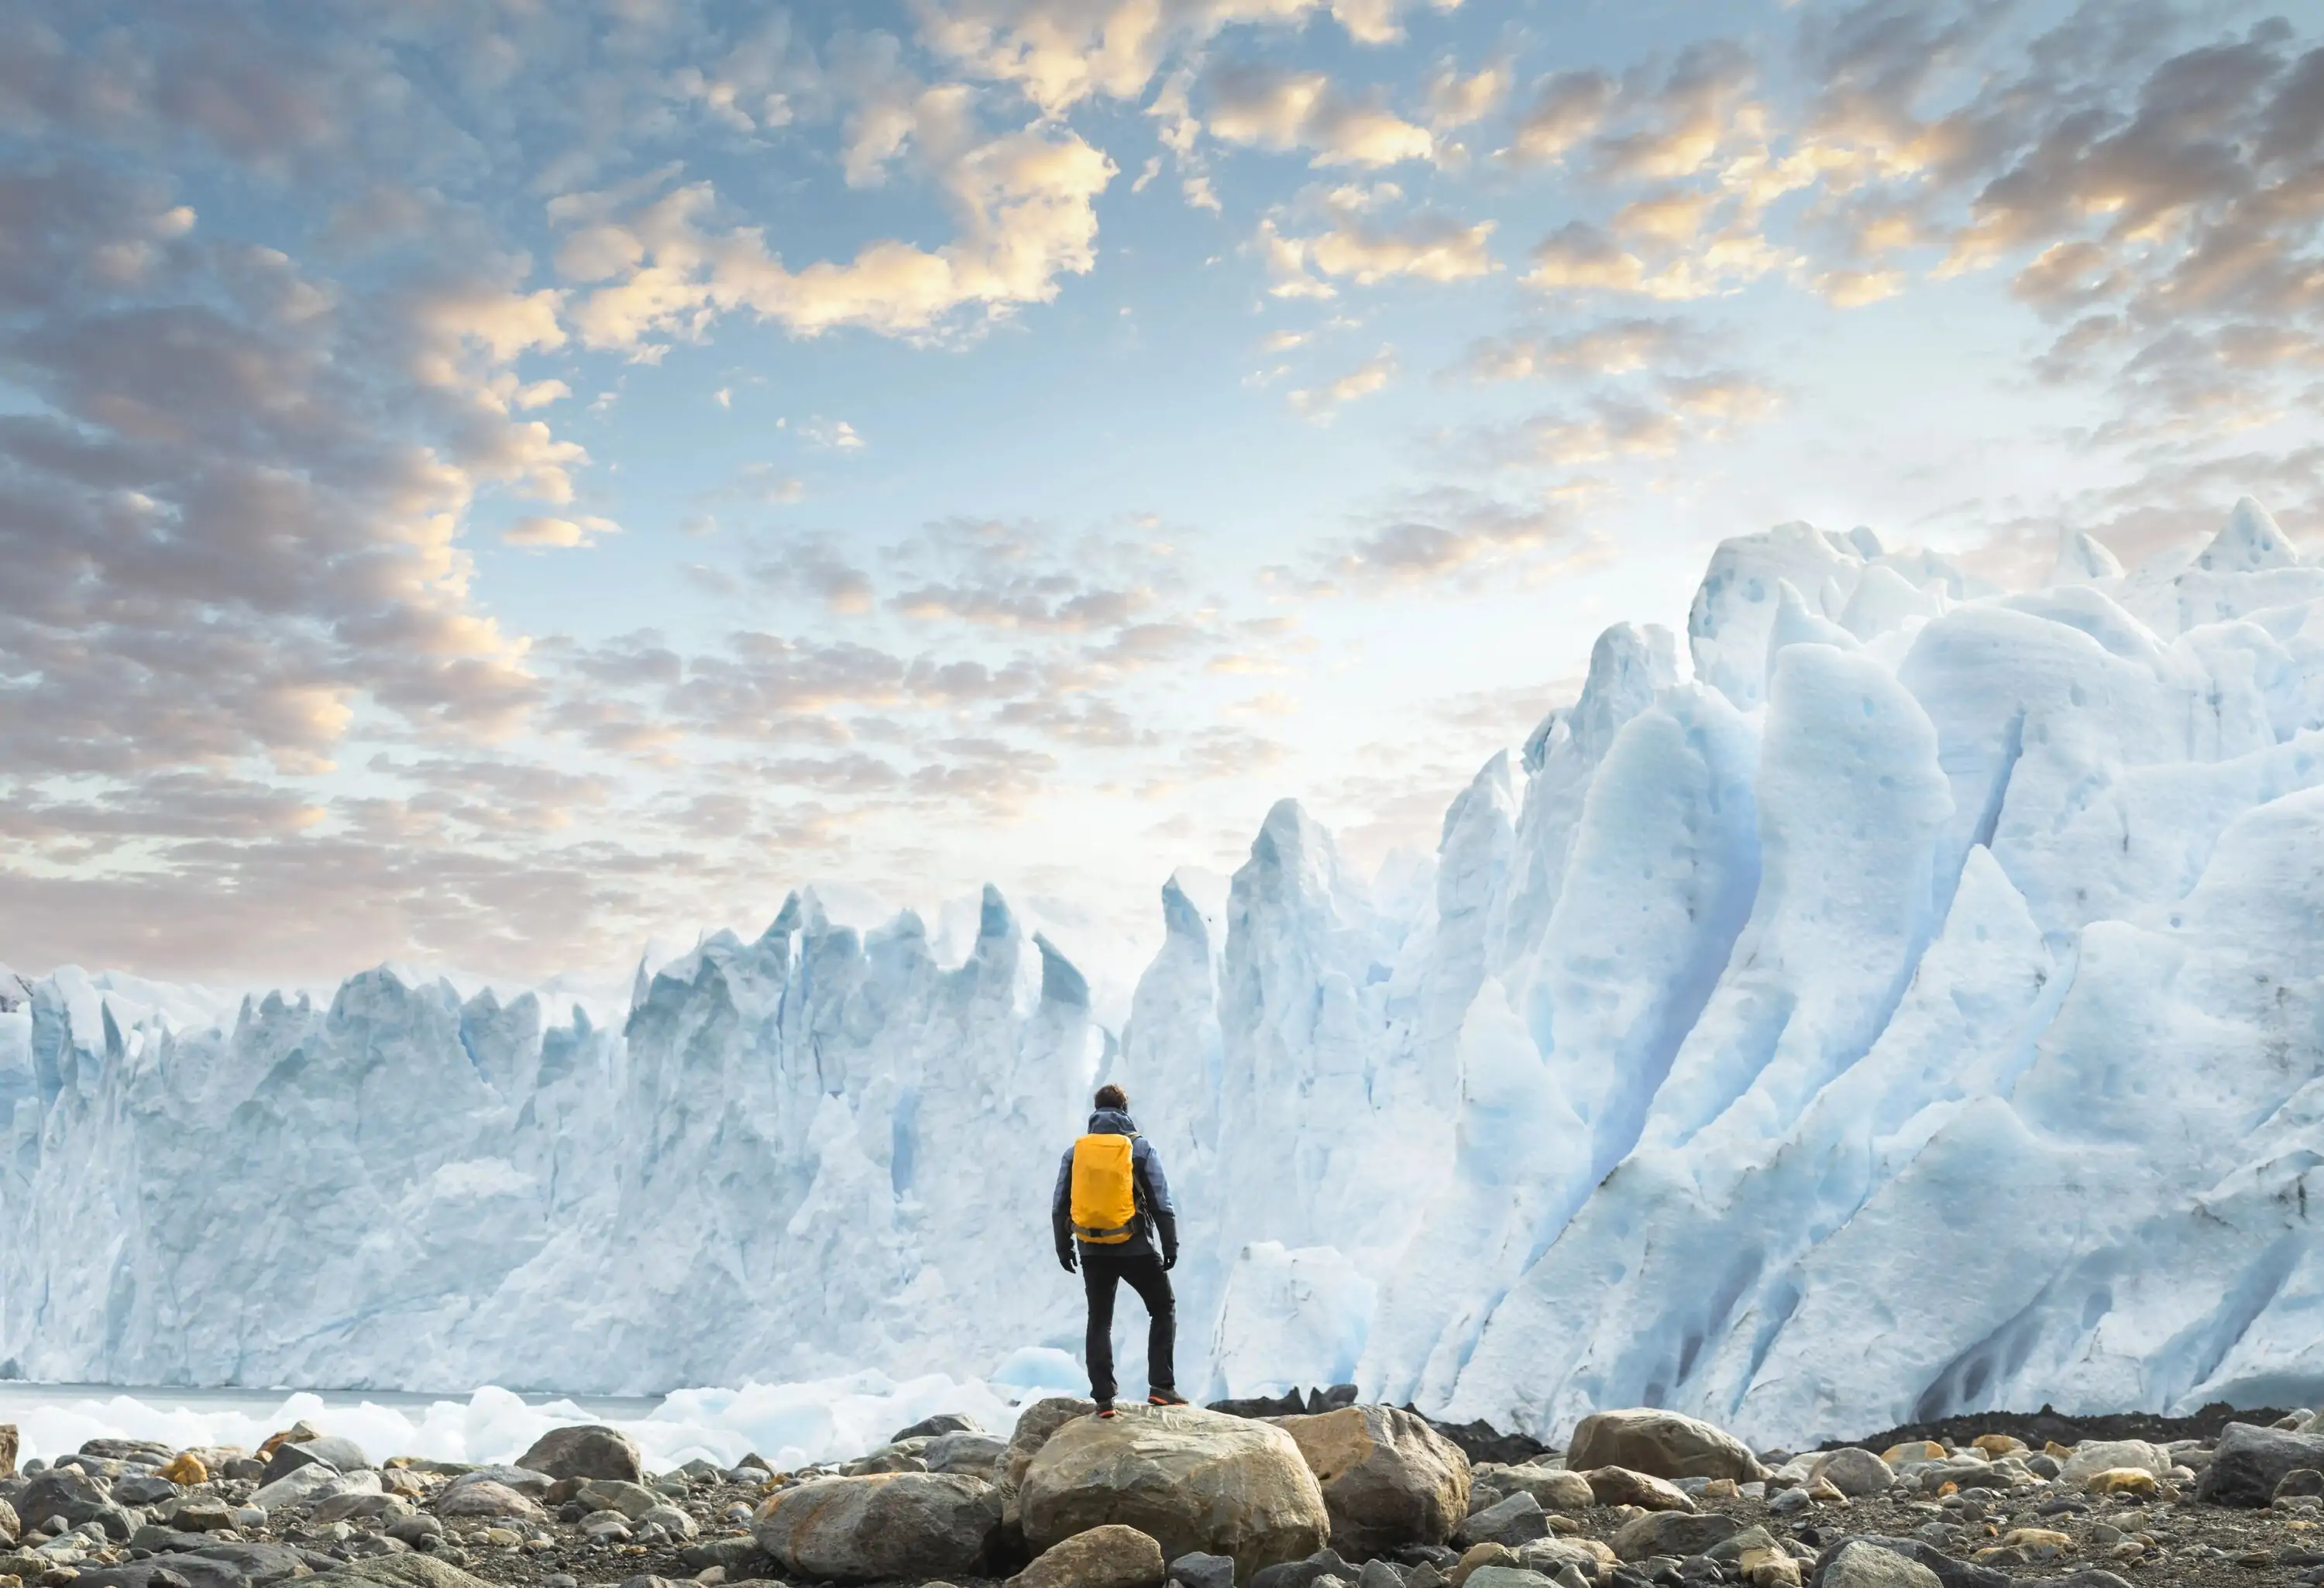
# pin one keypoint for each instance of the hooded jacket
(1157, 1219)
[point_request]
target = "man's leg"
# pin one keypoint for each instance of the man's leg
(1098, 1277)
(1153, 1287)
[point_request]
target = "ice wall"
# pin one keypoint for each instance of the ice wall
(1913, 1006)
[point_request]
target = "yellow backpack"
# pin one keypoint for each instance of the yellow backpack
(1105, 1198)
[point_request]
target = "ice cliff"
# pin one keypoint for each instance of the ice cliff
(1911, 1005)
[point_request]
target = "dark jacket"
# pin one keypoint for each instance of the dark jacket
(1157, 1219)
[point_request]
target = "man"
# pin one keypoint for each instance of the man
(1112, 1205)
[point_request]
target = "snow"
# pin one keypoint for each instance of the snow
(790, 1425)
(1911, 1007)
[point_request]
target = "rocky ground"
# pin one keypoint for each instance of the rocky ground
(1293, 1494)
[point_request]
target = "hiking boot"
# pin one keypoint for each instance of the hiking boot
(1105, 1408)
(1166, 1398)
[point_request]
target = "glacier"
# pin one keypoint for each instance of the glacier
(1904, 999)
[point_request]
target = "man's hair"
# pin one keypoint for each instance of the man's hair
(1112, 1096)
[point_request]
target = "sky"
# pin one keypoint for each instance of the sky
(501, 485)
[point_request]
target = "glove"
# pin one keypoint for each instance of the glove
(1066, 1258)
(1170, 1259)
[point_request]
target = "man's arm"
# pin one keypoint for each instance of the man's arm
(1158, 1201)
(1061, 1217)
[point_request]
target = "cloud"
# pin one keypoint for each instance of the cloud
(1613, 347)
(1356, 245)
(1268, 108)
(1567, 107)
(541, 533)
(1023, 207)
(1321, 402)
(1455, 100)
(836, 435)
(1061, 52)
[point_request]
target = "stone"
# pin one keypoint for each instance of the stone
(358, 1505)
(299, 1487)
(1627, 1486)
(64, 1492)
(1199, 1570)
(1732, 1548)
(139, 1489)
(1110, 1556)
(969, 1453)
(185, 1468)
(606, 1527)
(1324, 1566)
(733, 1554)
(150, 1453)
(1555, 1487)
(2245, 1467)
(1672, 1532)
(632, 1499)
(1661, 1445)
(2299, 1484)
(412, 1529)
(1509, 1578)
(1379, 1573)
(341, 1455)
(1913, 1453)
(944, 1422)
(1859, 1565)
(394, 1571)
(1996, 1445)
(1387, 1478)
(8, 1446)
(2133, 1480)
(1546, 1556)
(257, 1563)
(525, 1481)
(297, 1433)
(1767, 1567)
(487, 1499)
(1476, 1558)
(1034, 1426)
(671, 1520)
(201, 1514)
(2099, 1456)
(1949, 1571)
(1518, 1520)
(1192, 1479)
(889, 1525)
(586, 1450)
(1857, 1474)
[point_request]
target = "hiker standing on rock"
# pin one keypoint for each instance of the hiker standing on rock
(1111, 1206)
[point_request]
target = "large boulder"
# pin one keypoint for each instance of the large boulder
(915, 1525)
(2093, 1456)
(586, 1451)
(1389, 1479)
(395, 1571)
(1661, 1445)
(2245, 1468)
(1102, 1557)
(944, 1422)
(1035, 1423)
(1189, 1479)
(64, 1491)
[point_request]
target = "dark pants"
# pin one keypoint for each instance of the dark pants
(1102, 1270)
